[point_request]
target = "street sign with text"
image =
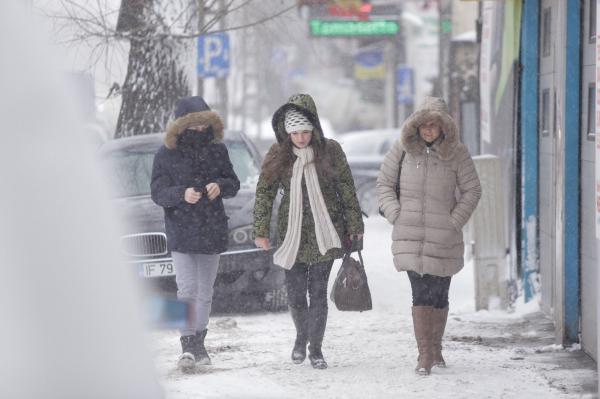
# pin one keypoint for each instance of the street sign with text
(324, 27)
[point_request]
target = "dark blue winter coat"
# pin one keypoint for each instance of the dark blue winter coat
(191, 158)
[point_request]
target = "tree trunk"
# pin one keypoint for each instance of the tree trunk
(155, 80)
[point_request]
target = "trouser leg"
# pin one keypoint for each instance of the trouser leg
(187, 288)
(208, 266)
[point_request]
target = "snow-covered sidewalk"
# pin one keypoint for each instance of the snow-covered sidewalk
(372, 354)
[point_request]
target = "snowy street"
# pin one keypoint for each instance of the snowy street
(372, 354)
(147, 143)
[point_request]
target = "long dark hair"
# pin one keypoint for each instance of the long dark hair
(279, 164)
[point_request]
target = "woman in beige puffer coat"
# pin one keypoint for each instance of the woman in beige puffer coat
(438, 191)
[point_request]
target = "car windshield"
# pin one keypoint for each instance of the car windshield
(131, 170)
(360, 144)
(367, 143)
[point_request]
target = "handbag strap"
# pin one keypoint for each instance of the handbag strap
(360, 258)
(397, 188)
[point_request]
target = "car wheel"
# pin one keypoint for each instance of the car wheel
(276, 300)
(367, 197)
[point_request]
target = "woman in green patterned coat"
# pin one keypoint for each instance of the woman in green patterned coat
(318, 214)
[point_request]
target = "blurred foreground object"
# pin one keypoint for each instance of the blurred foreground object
(486, 232)
(71, 325)
(167, 313)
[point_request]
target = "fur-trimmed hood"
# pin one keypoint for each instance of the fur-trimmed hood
(193, 111)
(431, 108)
(179, 125)
(304, 104)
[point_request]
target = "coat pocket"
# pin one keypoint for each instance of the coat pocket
(453, 223)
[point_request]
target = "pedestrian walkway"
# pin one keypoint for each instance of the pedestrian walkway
(493, 355)
(372, 355)
(530, 341)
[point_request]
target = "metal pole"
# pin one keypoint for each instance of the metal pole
(445, 7)
(390, 102)
(244, 55)
(222, 82)
(199, 80)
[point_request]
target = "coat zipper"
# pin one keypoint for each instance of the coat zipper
(424, 204)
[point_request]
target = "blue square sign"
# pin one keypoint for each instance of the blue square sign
(213, 55)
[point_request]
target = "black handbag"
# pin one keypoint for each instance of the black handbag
(350, 290)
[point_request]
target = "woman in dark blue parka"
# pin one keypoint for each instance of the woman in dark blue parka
(191, 175)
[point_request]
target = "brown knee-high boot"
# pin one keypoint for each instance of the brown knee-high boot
(439, 317)
(423, 334)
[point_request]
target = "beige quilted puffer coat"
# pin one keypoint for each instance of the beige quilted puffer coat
(439, 189)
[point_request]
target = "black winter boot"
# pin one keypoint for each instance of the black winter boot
(187, 361)
(317, 322)
(300, 318)
(200, 352)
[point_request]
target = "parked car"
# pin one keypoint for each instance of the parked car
(245, 272)
(365, 150)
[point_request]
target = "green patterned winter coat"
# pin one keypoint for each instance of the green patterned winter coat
(335, 189)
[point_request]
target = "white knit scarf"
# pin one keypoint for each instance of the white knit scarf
(327, 236)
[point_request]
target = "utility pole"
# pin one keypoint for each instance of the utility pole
(244, 70)
(394, 56)
(222, 82)
(390, 103)
(445, 10)
(201, 15)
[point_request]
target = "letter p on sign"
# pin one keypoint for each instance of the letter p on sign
(213, 55)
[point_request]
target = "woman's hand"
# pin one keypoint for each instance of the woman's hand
(262, 242)
(356, 237)
(213, 190)
(191, 196)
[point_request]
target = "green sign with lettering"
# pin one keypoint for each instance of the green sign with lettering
(320, 27)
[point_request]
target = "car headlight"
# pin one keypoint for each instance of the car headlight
(241, 235)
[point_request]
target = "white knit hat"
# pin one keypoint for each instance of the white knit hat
(296, 121)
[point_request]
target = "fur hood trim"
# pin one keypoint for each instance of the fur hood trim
(179, 125)
(432, 108)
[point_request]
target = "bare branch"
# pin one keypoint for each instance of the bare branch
(91, 25)
(181, 14)
(234, 28)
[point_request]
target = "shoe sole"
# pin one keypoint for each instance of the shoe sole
(319, 364)
(204, 362)
(187, 366)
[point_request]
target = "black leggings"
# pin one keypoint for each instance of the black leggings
(302, 278)
(428, 290)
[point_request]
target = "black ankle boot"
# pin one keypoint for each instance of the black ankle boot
(299, 352)
(317, 323)
(317, 360)
(200, 352)
(187, 360)
(300, 318)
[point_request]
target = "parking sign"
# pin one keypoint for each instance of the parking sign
(213, 55)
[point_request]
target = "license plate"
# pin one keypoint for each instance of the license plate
(157, 269)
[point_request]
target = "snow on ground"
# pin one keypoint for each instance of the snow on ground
(372, 354)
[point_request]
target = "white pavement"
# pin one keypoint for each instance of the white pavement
(372, 354)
